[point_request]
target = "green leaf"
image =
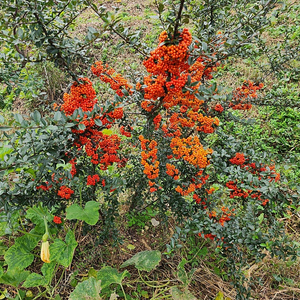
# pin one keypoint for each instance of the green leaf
(107, 131)
(160, 7)
(18, 256)
(19, 118)
(19, 33)
(182, 276)
(177, 294)
(36, 116)
(5, 128)
(14, 277)
(260, 218)
(98, 122)
(130, 247)
(62, 252)
(89, 214)
(34, 280)
(81, 126)
(144, 261)
(47, 270)
(36, 214)
(92, 273)
(3, 151)
(57, 116)
(3, 294)
(87, 290)
(109, 275)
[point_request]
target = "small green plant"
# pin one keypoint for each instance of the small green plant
(32, 247)
(142, 218)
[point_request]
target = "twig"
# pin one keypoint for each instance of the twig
(178, 17)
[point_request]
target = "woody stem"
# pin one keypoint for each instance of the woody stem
(178, 17)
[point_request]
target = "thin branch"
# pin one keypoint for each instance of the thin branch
(57, 14)
(177, 21)
(116, 32)
(160, 16)
(50, 40)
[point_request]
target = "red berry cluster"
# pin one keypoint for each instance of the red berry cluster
(240, 160)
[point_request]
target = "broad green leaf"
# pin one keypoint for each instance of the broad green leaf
(62, 252)
(19, 256)
(144, 261)
(3, 226)
(47, 270)
(109, 275)
(36, 214)
(14, 277)
(87, 290)
(89, 214)
(177, 294)
(5, 128)
(34, 280)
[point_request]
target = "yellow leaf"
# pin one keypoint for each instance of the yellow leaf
(220, 296)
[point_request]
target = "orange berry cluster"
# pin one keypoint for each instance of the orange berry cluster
(91, 180)
(157, 121)
(169, 72)
(149, 157)
(169, 58)
(191, 150)
(65, 192)
(82, 95)
(116, 81)
(235, 191)
(44, 186)
(240, 160)
(241, 96)
(172, 171)
(218, 107)
(126, 132)
(225, 215)
(101, 148)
